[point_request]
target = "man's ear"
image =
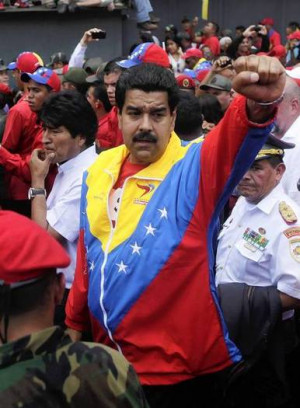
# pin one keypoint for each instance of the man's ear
(280, 169)
(173, 119)
(81, 140)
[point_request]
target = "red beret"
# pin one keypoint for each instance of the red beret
(192, 52)
(185, 82)
(27, 251)
(294, 36)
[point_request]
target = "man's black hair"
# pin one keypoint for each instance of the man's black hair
(100, 93)
(216, 26)
(210, 108)
(112, 66)
(71, 110)
(293, 25)
(147, 78)
(189, 117)
(185, 19)
(240, 27)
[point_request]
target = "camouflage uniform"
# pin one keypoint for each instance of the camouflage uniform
(47, 369)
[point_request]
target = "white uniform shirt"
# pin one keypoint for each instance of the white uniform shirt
(291, 159)
(258, 247)
(63, 204)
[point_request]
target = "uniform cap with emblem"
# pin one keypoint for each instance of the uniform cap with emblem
(273, 147)
(217, 82)
(146, 53)
(185, 82)
(28, 252)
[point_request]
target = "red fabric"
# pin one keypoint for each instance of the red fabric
(22, 134)
(274, 39)
(213, 43)
(127, 170)
(109, 134)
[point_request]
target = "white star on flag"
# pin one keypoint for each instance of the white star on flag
(163, 212)
(135, 248)
(92, 266)
(150, 229)
(122, 267)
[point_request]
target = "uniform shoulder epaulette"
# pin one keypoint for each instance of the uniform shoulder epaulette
(287, 213)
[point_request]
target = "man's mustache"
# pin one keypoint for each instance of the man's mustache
(144, 137)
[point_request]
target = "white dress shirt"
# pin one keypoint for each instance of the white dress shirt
(292, 161)
(63, 204)
(257, 246)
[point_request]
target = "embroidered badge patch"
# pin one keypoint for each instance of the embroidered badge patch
(287, 213)
(295, 248)
(254, 240)
(292, 232)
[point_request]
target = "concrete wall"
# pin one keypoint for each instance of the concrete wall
(47, 32)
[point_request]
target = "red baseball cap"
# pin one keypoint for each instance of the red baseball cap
(267, 21)
(5, 89)
(294, 36)
(43, 76)
(146, 53)
(27, 62)
(192, 52)
(27, 251)
(185, 82)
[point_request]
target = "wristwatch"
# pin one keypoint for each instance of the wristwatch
(33, 192)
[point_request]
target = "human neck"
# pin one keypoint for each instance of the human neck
(27, 323)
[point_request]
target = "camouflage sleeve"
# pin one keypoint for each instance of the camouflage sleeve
(101, 377)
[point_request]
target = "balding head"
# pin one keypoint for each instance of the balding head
(289, 109)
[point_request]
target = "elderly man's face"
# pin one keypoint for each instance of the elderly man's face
(260, 180)
(146, 123)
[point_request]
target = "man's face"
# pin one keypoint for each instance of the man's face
(224, 97)
(37, 94)
(191, 62)
(68, 86)
(90, 97)
(16, 74)
(110, 82)
(60, 142)
(4, 78)
(260, 180)
(209, 28)
(146, 123)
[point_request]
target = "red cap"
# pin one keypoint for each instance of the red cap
(27, 62)
(294, 36)
(27, 251)
(267, 21)
(146, 53)
(185, 82)
(43, 76)
(278, 51)
(192, 52)
(5, 89)
(202, 74)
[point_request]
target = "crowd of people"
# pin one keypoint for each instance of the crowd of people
(150, 210)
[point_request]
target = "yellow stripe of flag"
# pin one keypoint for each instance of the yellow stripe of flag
(205, 9)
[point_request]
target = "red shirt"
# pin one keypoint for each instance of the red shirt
(213, 44)
(22, 134)
(274, 38)
(109, 135)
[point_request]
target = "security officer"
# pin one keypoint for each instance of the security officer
(257, 272)
(39, 364)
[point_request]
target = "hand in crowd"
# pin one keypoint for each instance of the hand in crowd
(259, 78)
(39, 164)
(88, 36)
(221, 63)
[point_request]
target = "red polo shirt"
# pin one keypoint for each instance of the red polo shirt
(109, 134)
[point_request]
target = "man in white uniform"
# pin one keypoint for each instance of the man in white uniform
(258, 271)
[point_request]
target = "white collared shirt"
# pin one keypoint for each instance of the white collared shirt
(63, 204)
(258, 247)
(291, 159)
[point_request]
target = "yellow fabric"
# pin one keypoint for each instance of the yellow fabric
(205, 4)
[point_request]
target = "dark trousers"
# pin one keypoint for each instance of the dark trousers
(201, 392)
